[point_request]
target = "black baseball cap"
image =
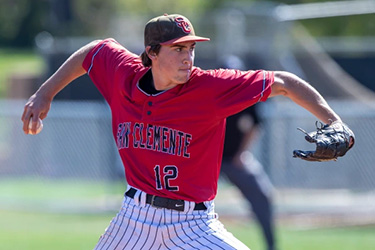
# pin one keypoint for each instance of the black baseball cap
(170, 29)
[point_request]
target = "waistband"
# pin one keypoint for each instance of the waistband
(162, 202)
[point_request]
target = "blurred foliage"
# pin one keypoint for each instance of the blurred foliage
(19, 19)
(22, 20)
(24, 62)
(356, 25)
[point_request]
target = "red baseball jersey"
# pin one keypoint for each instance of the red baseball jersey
(171, 143)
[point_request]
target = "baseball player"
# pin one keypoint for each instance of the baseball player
(241, 167)
(168, 122)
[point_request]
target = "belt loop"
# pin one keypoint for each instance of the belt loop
(142, 199)
(137, 197)
(189, 206)
(209, 205)
(152, 200)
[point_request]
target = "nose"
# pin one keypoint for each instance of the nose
(189, 57)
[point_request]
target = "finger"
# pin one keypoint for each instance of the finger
(23, 114)
(42, 116)
(299, 154)
(304, 155)
(26, 112)
(34, 122)
(26, 119)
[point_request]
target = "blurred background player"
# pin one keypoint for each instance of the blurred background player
(246, 172)
(241, 167)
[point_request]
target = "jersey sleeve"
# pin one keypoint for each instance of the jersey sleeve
(233, 90)
(102, 64)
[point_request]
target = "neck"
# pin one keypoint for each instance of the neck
(147, 85)
(160, 82)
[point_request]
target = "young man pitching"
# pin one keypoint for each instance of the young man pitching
(168, 122)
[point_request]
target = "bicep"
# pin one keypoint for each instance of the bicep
(73, 68)
(282, 83)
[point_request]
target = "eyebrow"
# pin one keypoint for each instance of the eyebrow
(182, 46)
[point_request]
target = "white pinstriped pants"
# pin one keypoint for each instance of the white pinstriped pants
(141, 226)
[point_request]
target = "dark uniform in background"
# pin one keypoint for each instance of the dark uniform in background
(244, 171)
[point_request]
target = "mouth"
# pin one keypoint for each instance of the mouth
(187, 70)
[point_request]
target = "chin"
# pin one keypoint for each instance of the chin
(182, 80)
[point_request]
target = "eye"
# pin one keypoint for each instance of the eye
(178, 49)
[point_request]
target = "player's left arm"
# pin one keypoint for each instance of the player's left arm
(303, 94)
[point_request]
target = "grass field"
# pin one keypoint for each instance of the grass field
(349, 238)
(59, 215)
(30, 230)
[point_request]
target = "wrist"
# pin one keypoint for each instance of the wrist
(335, 121)
(45, 94)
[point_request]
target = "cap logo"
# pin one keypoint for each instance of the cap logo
(183, 24)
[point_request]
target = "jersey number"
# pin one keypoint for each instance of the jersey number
(170, 173)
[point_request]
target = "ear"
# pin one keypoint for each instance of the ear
(150, 54)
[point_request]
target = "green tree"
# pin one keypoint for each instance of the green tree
(22, 20)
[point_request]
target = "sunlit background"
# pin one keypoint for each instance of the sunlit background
(72, 168)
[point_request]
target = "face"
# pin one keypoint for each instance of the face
(173, 64)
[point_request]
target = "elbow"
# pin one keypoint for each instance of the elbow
(281, 84)
(287, 83)
(94, 43)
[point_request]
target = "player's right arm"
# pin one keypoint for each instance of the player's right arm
(39, 103)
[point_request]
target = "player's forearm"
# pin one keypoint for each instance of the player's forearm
(69, 71)
(304, 95)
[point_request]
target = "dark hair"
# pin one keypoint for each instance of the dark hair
(146, 61)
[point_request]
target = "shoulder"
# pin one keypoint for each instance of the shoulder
(109, 43)
(230, 76)
(109, 47)
(212, 76)
(109, 60)
(215, 73)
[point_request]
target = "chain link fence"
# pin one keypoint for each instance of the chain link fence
(76, 151)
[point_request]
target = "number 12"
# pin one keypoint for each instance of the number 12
(170, 173)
